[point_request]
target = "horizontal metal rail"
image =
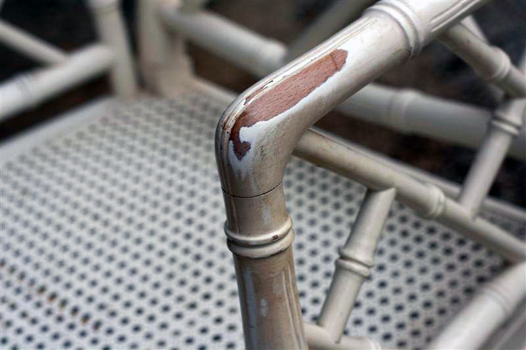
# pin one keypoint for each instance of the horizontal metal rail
(409, 111)
(339, 14)
(227, 39)
(68, 70)
(30, 45)
(450, 189)
(29, 89)
(319, 339)
(427, 200)
(405, 110)
(258, 132)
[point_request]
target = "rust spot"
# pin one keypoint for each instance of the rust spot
(52, 297)
(85, 319)
(285, 95)
(74, 311)
(275, 238)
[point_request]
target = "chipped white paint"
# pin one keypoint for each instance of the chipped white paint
(409, 25)
(250, 134)
(30, 89)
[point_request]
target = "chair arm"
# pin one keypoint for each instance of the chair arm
(259, 130)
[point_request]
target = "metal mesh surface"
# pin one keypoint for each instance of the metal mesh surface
(112, 238)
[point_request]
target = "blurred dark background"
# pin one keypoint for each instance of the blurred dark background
(68, 25)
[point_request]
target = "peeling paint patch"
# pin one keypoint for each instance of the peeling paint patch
(255, 93)
(284, 96)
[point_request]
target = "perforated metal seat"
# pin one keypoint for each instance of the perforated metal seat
(112, 237)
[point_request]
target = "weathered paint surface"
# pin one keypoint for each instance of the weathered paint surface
(269, 302)
(284, 96)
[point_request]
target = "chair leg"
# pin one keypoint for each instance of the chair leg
(260, 235)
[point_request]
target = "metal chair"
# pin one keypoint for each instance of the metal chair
(112, 214)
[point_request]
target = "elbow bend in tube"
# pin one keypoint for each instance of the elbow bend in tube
(254, 141)
(259, 130)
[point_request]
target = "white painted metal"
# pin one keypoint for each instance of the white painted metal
(55, 128)
(260, 129)
(512, 333)
(162, 56)
(30, 45)
(506, 125)
(486, 312)
(412, 112)
(110, 27)
(425, 199)
(170, 140)
(259, 228)
(319, 339)
(94, 164)
(470, 23)
(406, 110)
(29, 89)
(451, 189)
(490, 62)
(355, 263)
(340, 14)
(153, 43)
(363, 64)
(226, 39)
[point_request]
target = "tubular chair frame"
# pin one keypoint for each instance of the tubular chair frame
(261, 129)
(269, 122)
(67, 70)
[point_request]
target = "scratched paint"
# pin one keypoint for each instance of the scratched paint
(282, 97)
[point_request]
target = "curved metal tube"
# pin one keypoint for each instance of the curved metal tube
(259, 130)
(270, 117)
(30, 45)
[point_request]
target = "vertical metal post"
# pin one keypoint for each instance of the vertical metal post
(504, 127)
(259, 130)
(110, 26)
(489, 62)
(260, 237)
(355, 262)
